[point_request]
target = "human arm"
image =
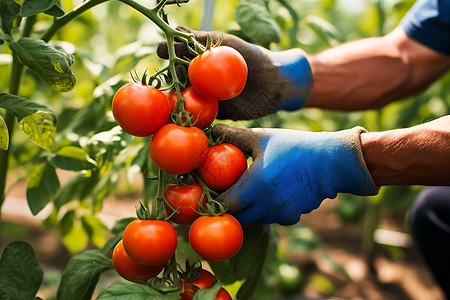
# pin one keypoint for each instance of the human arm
(373, 72)
(416, 155)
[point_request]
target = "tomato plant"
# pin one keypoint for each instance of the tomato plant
(222, 166)
(150, 242)
(177, 149)
(218, 73)
(131, 270)
(184, 199)
(204, 281)
(140, 109)
(216, 238)
(203, 110)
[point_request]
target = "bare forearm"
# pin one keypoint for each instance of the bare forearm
(370, 73)
(416, 155)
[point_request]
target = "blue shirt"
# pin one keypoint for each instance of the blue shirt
(428, 22)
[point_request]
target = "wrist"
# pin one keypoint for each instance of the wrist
(295, 70)
(352, 175)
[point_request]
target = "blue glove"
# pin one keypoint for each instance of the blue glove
(276, 80)
(293, 172)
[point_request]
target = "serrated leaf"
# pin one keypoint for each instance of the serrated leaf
(4, 135)
(256, 23)
(123, 291)
(36, 120)
(82, 274)
(20, 272)
(73, 158)
(43, 185)
(33, 7)
(9, 11)
(51, 64)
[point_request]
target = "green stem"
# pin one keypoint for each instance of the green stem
(14, 87)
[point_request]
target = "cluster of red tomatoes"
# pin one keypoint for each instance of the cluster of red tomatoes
(217, 74)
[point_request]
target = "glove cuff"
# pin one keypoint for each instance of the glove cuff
(356, 177)
(295, 69)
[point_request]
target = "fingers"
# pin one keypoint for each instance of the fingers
(247, 140)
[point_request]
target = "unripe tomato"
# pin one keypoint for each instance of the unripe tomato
(204, 110)
(177, 149)
(222, 166)
(150, 242)
(129, 269)
(184, 199)
(216, 238)
(218, 73)
(140, 109)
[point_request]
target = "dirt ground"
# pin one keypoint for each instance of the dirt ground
(404, 278)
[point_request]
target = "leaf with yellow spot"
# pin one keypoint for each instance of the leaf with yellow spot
(4, 135)
(51, 64)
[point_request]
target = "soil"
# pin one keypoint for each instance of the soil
(402, 277)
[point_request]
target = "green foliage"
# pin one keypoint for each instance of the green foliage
(122, 291)
(53, 65)
(20, 272)
(82, 274)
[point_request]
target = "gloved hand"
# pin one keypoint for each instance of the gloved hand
(276, 80)
(293, 172)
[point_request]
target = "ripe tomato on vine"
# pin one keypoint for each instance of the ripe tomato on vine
(140, 109)
(218, 73)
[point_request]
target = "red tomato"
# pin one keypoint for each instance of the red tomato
(140, 109)
(216, 238)
(177, 149)
(222, 167)
(184, 199)
(150, 242)
(200, 107)
(131, 270)
(218, 73)
(205, 281)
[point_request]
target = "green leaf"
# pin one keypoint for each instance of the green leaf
(54, 66)
(36, 120)
(96, 229)
(4, 135)
(20, 272)
(248, 263)
(324, 29)
(43, 185)
(56, 10)
(207, 294)
(82, 274)
(256, 23)
(33, 7)
(123, 291)
(73, 159)
(9, 11)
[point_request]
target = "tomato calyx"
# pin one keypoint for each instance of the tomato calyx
(199, 48)
(192, 271)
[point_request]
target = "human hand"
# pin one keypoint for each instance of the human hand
(293, 172)
(276, 80)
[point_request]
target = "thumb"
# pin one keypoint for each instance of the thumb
(248, 140)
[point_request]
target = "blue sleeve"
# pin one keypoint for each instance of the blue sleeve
(428, 22)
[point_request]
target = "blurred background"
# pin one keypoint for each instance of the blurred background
(351, 248)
